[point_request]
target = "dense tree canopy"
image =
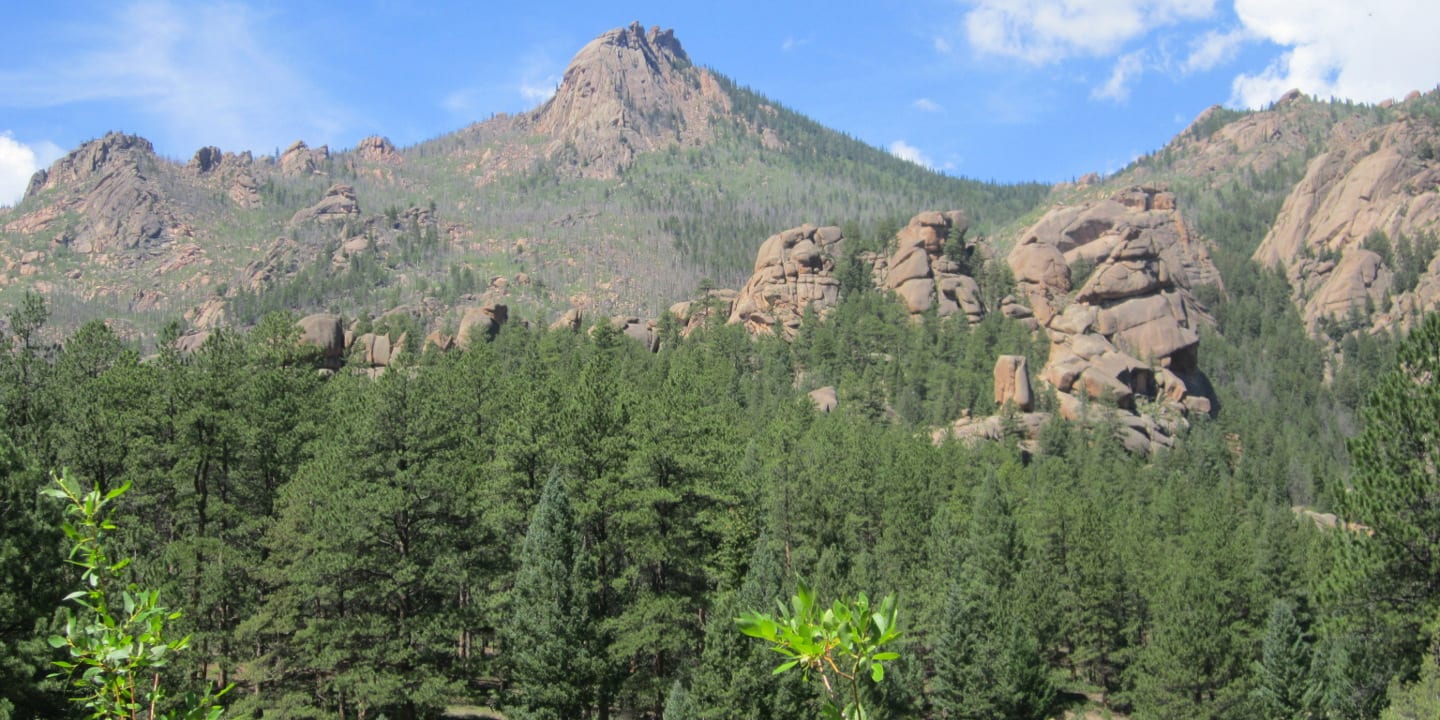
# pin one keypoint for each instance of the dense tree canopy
(564, 524)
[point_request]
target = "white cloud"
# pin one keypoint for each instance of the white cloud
(942, 46)
(1128, 69)
(927, 105)
(538, 92)
(791, 42)
(208, 74)
(1362, 51)
(1213, 48)
(1045, 31)
(18, 162)
(906, 151)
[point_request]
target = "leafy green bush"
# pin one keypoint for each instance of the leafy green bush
(118, 641)
(838, 645)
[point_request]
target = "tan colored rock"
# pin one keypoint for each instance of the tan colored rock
(824, 398)
(920, 273)
(478, 323)
(1012, 382)
(338, 203)
(794, 271)
(1130, 333)
(629, 91)
(377, 149)
(300, 159)
(569, 320)
(325, 331)
(440, 341)
(191, 342)
(1366, 182)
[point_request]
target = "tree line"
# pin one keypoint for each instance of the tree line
(564, 525)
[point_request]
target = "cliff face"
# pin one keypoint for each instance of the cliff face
(1338, 235)
(103, 197)
(626, 92)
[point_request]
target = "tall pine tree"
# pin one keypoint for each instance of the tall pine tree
(550, 638)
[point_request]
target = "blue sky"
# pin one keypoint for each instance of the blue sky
(993, 89)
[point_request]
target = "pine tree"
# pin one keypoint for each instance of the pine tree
(1386, 585)
(550, 637)
(1283, 672)
(987, 659)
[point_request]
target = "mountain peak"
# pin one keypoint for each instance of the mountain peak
(628, 91)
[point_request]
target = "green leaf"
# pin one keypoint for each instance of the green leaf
(57, 642)
(887, 656)
(877, 672)
(784, 666)
(117, 492)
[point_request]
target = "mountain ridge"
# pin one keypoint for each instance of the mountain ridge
(641, 160)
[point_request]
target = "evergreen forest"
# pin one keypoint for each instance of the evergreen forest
(557, 524)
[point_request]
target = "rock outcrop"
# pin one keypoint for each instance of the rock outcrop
(794, 270)
(477, 323)
(924, 272)
(641, 331)
(301, 159)
(1381, 181)
(1012, 382)
(107, 183)
(1085, 235)
(1124, 347)
(377, 149)
(626, 92)
(325, 331)
(338, 204)
(824, 398)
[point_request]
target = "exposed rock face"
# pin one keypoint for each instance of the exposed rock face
(377, 149)
(824, 398)
(378, 350)
(570, 320)
(1012, 382)
(627, 91)
(717, 305)
(922, 272)
(480, 322)
(1131, 332)
(642, 331)
(107, 182)
(337, 204)
(1382, 180)
(794, 270)
(206, 159)
(325, 331)
(1142, 219)
(1125, 346)
(300, 159)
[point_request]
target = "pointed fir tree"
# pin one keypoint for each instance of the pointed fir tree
(987, 660)
(549, 638)
(1283, 672)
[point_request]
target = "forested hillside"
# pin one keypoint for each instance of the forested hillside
(426, 499)
(349, 547)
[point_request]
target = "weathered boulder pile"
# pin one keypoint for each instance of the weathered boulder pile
(1124, 347)
(923, 269)
(794, 270)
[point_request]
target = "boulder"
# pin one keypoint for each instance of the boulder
(480, 322)
(794, 271)
(338, 203)
(325, 331)
(300, 159)
(1012, 382)
(824, 398)
(570, 320)
(921, 274)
